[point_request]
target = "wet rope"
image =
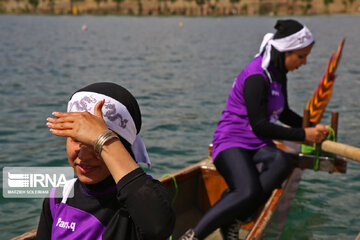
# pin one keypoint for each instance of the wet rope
(316, 151)
(175, 195)
(175, 186)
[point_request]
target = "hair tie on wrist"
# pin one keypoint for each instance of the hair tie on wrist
(103, 137)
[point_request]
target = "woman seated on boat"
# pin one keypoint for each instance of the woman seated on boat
(243, 150)
(113, 197)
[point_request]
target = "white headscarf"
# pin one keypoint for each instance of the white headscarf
(117, 118)
(298, 40)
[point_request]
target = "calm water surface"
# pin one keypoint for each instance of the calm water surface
(181, 77)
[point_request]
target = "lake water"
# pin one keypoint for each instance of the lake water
(181, 77)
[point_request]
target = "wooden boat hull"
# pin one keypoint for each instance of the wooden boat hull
(200, 186)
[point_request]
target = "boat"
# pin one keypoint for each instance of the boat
(199, 186)
(194, 189)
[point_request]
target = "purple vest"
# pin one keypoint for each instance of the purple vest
(73, 223)
(234, 128)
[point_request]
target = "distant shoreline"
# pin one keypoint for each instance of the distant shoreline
(181, 7)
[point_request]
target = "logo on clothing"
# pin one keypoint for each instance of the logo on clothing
(275, 93)
(275, 115)
(33, 182)
(112, 115)
(303, 38)
(82, 104)
(66, 225)
(87, 104)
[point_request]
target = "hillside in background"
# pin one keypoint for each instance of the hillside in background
(182, 7)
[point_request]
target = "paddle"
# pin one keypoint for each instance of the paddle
(341, 149)
(319, 100)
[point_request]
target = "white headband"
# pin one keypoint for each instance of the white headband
(298, 40)
(116, 116)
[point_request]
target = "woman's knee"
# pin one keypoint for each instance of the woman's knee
(283, 163)
(249, 195)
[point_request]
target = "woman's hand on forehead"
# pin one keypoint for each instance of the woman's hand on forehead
(81, 126)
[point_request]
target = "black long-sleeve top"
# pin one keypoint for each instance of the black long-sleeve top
(139, 208)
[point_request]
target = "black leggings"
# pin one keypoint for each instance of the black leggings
(251, 175)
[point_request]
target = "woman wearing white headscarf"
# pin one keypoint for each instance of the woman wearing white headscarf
(243, 150)
(113, 198)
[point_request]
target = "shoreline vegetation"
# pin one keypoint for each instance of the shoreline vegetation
(181, 7)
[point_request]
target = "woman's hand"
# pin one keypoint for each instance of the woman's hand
(316, 134)
(81, 126)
